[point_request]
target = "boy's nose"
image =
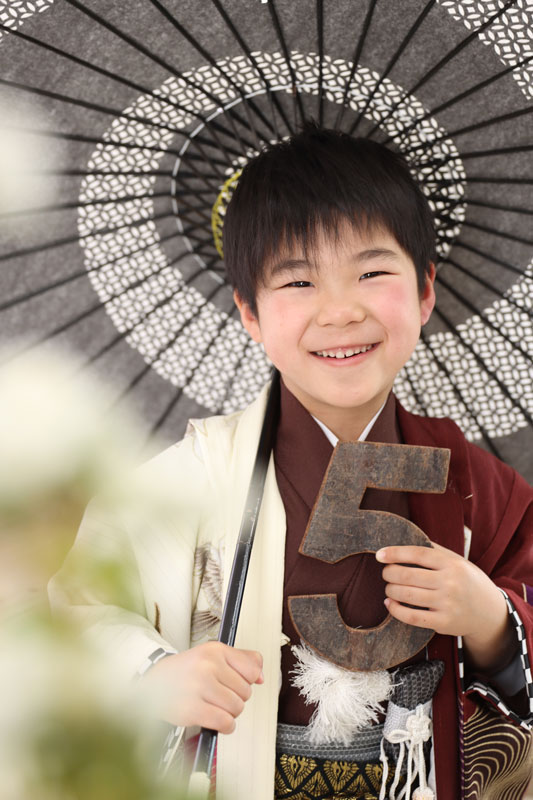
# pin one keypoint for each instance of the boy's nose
(340, 310)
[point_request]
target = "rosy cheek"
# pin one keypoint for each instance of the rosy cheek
(392, 310)
(288, 312)
(401, 317)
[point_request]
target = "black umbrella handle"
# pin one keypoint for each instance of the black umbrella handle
(205, 751)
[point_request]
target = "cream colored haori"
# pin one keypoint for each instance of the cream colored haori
(177, 567)
(212, 467)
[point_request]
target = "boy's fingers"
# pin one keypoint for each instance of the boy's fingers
(233, 680)
(428, 557)
(224, 698)
(425, 598)
(410, 576)
(422, 618)
(216, 719)
(248, 663)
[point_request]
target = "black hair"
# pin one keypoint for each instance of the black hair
(313, 182)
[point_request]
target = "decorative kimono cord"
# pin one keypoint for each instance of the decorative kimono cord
(348, 703)
(417, 729)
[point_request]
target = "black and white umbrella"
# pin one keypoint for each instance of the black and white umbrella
(131, 119)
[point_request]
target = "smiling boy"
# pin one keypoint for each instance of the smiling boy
(340, 324)
(329, 245)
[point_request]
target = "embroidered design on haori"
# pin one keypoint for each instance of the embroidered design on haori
(208, 571)
(157, 620)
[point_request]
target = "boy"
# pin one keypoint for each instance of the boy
(329, 245)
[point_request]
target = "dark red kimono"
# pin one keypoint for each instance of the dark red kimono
(472, 746)
(481, 738)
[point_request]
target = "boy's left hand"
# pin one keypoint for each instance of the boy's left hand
(452, 596)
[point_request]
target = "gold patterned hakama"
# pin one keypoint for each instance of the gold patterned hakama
(305, 778)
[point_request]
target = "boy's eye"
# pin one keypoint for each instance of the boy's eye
(373, 274)
(299, 284)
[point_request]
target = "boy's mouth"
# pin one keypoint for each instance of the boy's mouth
(344, 352)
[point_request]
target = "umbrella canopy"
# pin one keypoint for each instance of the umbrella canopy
(125, 124)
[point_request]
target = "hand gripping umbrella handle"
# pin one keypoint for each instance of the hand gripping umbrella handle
(200, 780)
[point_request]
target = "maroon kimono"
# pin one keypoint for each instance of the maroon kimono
(481, 738)
(497, 505)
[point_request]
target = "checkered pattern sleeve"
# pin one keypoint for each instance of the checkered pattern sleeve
(514, 678)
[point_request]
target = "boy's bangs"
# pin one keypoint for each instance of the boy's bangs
(302, 240)
(317, 182)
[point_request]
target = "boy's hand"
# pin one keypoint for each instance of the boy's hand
(207, 685)
(452, 596)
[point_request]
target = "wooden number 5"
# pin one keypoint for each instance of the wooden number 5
(339, 528)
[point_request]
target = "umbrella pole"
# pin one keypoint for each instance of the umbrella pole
(200, 780)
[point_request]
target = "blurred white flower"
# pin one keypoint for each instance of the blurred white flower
(56, 427)
(61, 443)
(71, 728)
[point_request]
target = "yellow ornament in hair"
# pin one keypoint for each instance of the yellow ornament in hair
(219, 209)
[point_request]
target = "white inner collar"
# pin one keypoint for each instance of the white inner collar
(334, 439)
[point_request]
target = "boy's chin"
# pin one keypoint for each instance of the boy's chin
(342, 402)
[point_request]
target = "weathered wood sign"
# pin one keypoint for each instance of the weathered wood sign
(338, 528)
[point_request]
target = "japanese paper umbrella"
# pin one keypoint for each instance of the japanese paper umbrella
(125, 123)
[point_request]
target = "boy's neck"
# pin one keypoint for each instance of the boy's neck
(333, 438)
(346, 428)
(347, 424)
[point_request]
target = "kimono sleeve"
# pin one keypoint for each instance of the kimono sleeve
(132, 562)
(502, 545)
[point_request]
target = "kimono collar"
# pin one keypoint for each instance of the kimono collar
(301, 440)
(334, 439)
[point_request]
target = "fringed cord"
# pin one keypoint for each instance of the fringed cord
(392, 793)
(385, 773)
(417, 731)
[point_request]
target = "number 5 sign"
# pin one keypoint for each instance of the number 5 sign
(338, 528)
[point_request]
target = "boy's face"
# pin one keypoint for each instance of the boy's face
(341, 325)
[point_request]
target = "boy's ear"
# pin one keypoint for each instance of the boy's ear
(427, 298)
(248, 318)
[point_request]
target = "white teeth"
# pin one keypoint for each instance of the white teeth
(343, 353)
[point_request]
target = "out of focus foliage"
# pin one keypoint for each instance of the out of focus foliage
(71, 726)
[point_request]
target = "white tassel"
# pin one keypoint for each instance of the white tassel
(423, 794)
(417, 731)
(392, 793)
(385, 773)
(346, 701)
